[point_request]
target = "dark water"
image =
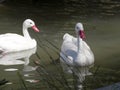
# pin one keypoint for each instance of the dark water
(100, 19)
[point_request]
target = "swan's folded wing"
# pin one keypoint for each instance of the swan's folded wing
(14, 42)
(69, 49)
(67, 37)
(85, 45)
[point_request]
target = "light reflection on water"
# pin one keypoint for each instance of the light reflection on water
(100, 19)
(13, 58)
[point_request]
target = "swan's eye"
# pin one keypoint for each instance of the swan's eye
(77, 27)
(30, 23)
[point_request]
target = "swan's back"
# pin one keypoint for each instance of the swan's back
(14, 42)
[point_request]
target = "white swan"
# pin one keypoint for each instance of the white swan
(76, 56)
(12, 42)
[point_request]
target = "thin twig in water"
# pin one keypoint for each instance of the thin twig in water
(22, 80)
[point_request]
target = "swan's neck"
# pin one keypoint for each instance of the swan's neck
(79, 44)
(26, 33)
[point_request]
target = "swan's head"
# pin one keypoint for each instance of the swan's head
(80, 30)
(28, 23)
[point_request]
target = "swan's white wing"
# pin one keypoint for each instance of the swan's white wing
(88, 53)
(85, 45)
(67, 37)
(14, 42)
(87, 49)
(70, 38)
(68, 50)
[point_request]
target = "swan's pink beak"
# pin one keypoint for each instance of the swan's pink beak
(35, 28)
(82, 34)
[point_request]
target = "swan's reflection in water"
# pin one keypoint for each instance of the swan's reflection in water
(18, 58)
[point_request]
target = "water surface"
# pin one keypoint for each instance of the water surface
(100, 19)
